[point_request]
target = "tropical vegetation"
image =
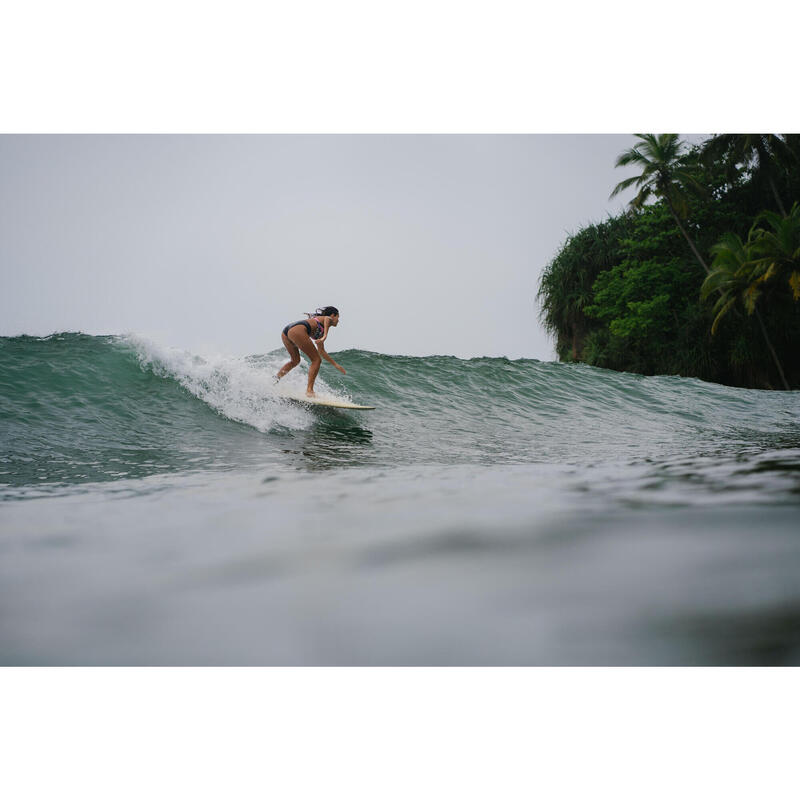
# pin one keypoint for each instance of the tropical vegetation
(700, 276)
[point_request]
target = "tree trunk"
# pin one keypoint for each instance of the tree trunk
(772, 350)
(777, 196)
(687, 237)
(765, 164)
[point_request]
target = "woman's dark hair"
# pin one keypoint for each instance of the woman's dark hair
(326, 311)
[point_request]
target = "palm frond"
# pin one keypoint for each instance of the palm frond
(626, 184)
(722, 312)
(632, 156)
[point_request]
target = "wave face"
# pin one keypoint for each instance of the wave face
(77, 408)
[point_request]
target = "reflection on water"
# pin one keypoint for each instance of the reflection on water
(104, 458)
(786, 436)
(751, 637)
(335, 440)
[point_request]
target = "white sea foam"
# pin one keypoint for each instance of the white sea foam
(240, 388)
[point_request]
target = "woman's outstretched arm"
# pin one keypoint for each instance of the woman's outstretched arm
(325, 355)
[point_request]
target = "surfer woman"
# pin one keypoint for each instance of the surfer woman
(303, 335)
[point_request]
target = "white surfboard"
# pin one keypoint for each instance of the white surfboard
(325, 400)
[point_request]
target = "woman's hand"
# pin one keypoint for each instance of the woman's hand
(341, 369)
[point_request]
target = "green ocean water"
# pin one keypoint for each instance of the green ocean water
(162, 507)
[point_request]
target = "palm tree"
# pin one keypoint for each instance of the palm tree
(777, 251)
(740, 270)
(666, 173)
(766, 152)
(730, 275)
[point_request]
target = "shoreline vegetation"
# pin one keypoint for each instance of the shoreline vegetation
(702, 282)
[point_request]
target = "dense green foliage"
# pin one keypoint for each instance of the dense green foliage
(626, 293)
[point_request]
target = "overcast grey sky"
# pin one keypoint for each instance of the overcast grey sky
(427, 244)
